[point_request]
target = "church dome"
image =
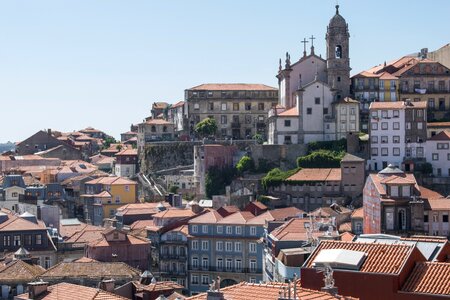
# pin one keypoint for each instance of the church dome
(337, 20)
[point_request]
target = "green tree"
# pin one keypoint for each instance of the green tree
(217, 179)
(245, 164)
(173, 189)
(258, 138)
(108, 141)
(206, 127)
(275, 177)
(321, 159)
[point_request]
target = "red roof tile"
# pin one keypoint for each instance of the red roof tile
(429, 278)
(438, 124)
(318, 174)
(239, 217)
(233, 87)
(292, 230)
(208, 218)
(292, 112)
(441, 136)
(358, 213)
(381, 258)
(397, 105)
(280, 214)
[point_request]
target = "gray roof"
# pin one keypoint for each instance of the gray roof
(391, 169)
(352, 158)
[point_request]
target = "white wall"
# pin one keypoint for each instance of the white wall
(313, 123)
(443, 163)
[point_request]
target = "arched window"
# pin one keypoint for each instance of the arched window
(338, 51)
(153, 128)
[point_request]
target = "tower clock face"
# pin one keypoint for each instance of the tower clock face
(338, 51)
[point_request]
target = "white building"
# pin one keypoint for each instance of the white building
(397, 134)
(438, 153)
(315, 92)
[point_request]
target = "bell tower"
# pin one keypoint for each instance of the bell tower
(338, 60)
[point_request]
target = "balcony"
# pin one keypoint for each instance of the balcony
(260, 125)
(174, 272)
(181, 257)
(226, 270)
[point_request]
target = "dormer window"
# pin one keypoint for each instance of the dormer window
(394, 191)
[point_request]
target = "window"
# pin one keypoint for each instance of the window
(374, 151)
(309, 111)
(196, 106)
(223, 106)
(47, 262)
(384, 139)
(219, 246)
(374, 126)
(237, 247)
(28, 239)
(229, 264)
(252, 265)
(445, 218)
(205, 245)
(431, 103)
(396, 151)
(194, 279)
(374, 139)
(205, 263)
(448, 156)
(325, 110)
(195, 262)
(238, 230)
(384, 152)
(419, 125)
(408, 125)
(228, 246)
(117, 199)
(384, 125)
(435, 156)
(219, 229)
(223, 119)
(38, 239)
(317, 100)
(194, 245)
(287, 123)
(252, 247)
(238, 265)
(211, 105)
(14, 194)
(219, 264)
(248, 106)
(229, 230)
(194, 228)
(425, 218)
(384, 114)
(260, 106)
(205, 279)
(253, 228)
(419, 151)
(396, 125)
(396, 113)
(396, 139)
(17, 240)
(205, 228)
(442, 146)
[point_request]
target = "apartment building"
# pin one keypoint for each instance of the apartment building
(240, 109)
(224, 246)
(438, 153)
(398, 131)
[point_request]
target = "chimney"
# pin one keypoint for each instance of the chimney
(107, 285)
(214, 295)
(49, 131)
(35, 289)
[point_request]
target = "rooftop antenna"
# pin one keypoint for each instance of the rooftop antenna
(328, 279)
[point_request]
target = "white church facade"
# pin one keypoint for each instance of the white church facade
(314, 103)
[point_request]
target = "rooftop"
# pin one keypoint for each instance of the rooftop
(429, 278)
(19, 271)
(398, 105)
(319, 174)
(91, 270)
(441, 136)
(381, 258)
(233, 87)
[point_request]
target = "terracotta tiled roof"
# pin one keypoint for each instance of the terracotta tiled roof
(292, 230)
(292, 112)
(345, 227)
(175, 213)
(316, 175)
(441, 136)
(438, 124)
(178, 104)
(19, 271)
(160, 105)
(209, 218)
(351, 158)
(397, 105)
(130, 240)
(229, 209)
(280, 214)
(438, 204)
(387, 76)
(377, 180)
(358, 213)
(429, 278)
(259, 204)
(85, 259)
(141, 208)
(127, 152)
(425, 238)
(347, 236)
(239, 217)
(184, 229)
(140, 224)
(381, 258)
(233, 87)
(175, 296)
(267, 291)
(90, 270)
(157, 122)
(159, 286)
(68, 291)
(112, 180)
(429, 194)
(16, 223)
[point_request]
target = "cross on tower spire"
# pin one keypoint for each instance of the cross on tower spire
(312, 38)
(304, 46)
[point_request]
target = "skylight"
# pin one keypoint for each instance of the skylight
(339, 259)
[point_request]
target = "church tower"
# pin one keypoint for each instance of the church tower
(338, 60)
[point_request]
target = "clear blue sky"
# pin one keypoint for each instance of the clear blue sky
(67, 65)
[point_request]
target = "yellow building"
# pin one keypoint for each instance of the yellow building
(105, 194)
